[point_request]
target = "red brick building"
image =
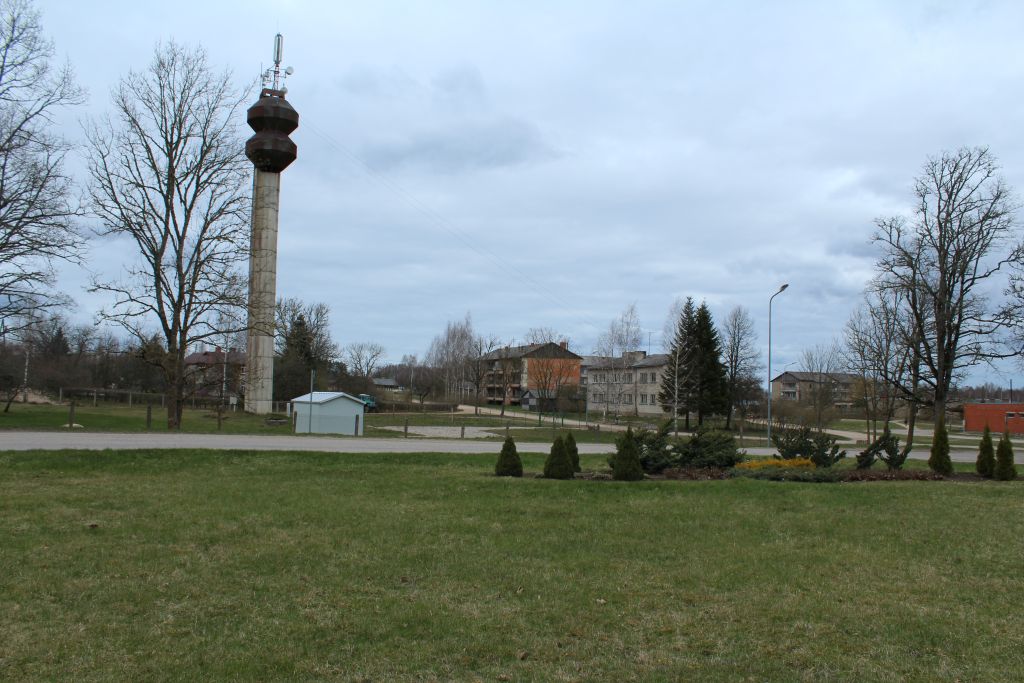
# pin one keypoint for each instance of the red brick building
(998, 416)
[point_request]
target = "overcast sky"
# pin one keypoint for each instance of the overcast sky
(549, 163)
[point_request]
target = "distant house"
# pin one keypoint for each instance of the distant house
(799, 386)
(328, 412)
(387, 384)
(549, 371)
(213, 373)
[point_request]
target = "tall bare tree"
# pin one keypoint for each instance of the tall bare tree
(168, 173)
(317, 317)
(622, 337)
(450, 352)
(742, 359)
(479, 368)
(363, 358)
(946, 261)
(36, 212)
(822, 362)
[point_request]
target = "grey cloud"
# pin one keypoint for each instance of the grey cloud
(467, 146)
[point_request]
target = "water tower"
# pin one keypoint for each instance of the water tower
(271, 151)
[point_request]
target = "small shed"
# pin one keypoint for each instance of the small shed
(328, 412)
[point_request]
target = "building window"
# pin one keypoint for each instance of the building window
(627, 377)
(643, 399)
(628, 399)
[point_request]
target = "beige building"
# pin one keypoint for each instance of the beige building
(800, 386)
(624, 385)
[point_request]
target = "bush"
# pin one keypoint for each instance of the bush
(792, 443)
(656, 449)
(819, 447)
(558, 465)
(766, 463)
(885, 448)
(783, 473)
(625, 462)
(986, 463)
(939, 461)
(709, 448)
(574, 452)
(824, 450)
(1005, 469)
(509, 463)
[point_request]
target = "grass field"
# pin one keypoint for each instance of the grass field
(277, 566)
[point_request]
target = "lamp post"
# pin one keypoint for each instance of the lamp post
(770, 300)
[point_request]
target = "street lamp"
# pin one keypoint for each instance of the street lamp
(781, 290)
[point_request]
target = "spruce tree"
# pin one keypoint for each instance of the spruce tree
(1005, 470)
(574, 452)
(673, 394)
(986, 463)
(626, 460)
(509, 463)
(558, 465)
(939, 461)
(708, 381)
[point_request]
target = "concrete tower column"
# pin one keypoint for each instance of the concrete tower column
(271, 151)
(266, 190)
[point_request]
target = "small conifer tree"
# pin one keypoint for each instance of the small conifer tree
(986, 463)
(939, 461)
(574, 452)
(626, 460)
(1005, 469)
(558, 465)
(509, 463)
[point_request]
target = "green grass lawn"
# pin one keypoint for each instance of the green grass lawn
(280, 566)
(115, 417)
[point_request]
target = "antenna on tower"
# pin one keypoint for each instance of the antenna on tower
(273, 79)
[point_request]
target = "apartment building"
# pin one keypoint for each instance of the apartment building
(627, 384)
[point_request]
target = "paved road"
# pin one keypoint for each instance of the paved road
(21, 441)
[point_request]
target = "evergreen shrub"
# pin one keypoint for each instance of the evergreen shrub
(939, 461)
(986, 463)
(574, 452)
(625, 462)
(558, 465)
(709, 448)
(509, 463)
(1005, 469)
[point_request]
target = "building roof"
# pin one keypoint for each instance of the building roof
(652, 361)
(385, 382)
(215, 358)
(818, 376)
(321, 397)
(613, 362)
(546, 350)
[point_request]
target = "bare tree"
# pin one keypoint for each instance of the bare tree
(168, 172)
(742, 359)
(479, 366)
(822, 362)
(508, 372)
(36, 212)
(622, 337)
(541, 335)
(450, 352)
(363, 358)
(317, 317)
(946, 261)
